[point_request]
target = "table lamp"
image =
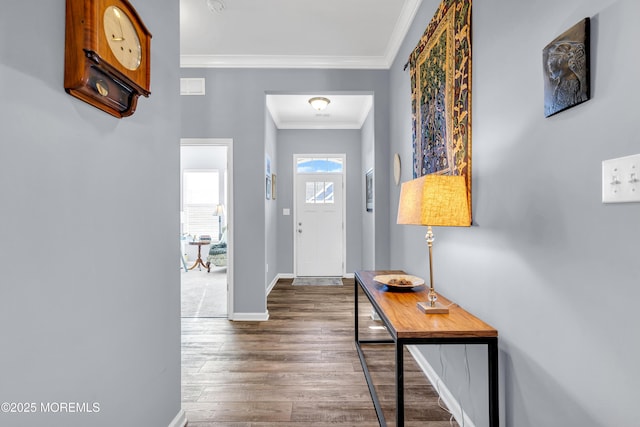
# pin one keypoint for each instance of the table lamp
(434, 200)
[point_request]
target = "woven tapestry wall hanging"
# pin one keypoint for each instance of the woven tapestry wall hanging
(440, 71)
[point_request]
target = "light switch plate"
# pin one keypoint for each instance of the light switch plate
(621, 180)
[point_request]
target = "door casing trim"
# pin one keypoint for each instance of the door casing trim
(226, 142)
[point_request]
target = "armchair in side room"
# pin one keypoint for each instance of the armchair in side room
(218, 253)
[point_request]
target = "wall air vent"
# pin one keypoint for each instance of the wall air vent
(192, 86)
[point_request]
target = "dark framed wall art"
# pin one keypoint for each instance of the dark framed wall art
(566, 69)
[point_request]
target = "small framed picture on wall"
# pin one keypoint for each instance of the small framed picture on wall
(267, 169)
(273, 186)
(268, 187)
(369, 190)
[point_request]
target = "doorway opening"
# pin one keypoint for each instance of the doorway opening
(319, 212)
(206, 206)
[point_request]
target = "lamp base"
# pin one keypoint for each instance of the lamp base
(427, 308)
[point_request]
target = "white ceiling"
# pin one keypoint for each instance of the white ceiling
(294, 33)
(293, 111)
(346, 34)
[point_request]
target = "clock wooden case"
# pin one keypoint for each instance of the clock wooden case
(107, 55)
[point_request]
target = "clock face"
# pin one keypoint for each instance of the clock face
(122, 38)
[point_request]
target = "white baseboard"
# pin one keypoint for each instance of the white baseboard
(349, 276)
(278, 277)
(180, 420)
(250, 317)
(445, 394)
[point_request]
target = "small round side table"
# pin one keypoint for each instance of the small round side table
(199, 263)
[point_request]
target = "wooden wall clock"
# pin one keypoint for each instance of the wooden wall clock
(107, 55)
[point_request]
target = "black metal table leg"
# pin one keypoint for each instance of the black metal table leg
(492, 353)
(399, 384)
(367, 375)
(355, 314)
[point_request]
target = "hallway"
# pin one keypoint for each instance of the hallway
(300, 368)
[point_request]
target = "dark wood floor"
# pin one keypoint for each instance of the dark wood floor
(300, 368)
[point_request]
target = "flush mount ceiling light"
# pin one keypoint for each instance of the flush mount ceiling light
(319, 102)
(216, 5)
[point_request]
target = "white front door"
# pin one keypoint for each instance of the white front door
(319, 225)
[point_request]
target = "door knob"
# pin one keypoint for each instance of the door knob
(299, 230)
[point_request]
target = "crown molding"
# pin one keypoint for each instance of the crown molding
(405, 19)
(283, 61)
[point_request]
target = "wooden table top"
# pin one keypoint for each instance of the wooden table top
(405, 319)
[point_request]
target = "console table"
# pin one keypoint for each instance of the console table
(408, 325)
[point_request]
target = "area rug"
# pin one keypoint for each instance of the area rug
(317, 281)
(204, 294)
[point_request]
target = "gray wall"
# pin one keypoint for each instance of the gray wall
(546, 263)
(368, 218)
(292, 142)
(234, 107)
(272, 254)
(86, 315)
